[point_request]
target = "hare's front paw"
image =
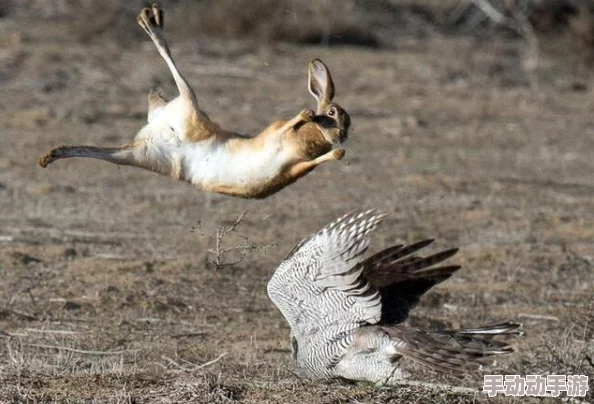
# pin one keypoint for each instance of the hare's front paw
(307, 115)
(337, 154)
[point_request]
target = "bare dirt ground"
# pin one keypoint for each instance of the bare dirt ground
(108, 293)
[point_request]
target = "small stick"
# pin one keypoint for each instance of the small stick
(23, 315)
(174, 363)
(64, 332)
(211, 362)
(195, 367)
(538, 316)
(438, 386)
(190, 334)
(82, 351)
(494, 14)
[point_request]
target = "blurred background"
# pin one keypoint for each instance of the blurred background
(376, 23)
(472, 124)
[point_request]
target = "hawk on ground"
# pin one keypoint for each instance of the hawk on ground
(347, 313)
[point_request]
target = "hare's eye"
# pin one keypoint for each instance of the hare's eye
(332, 112)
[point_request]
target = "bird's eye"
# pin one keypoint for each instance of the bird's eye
(332, 111)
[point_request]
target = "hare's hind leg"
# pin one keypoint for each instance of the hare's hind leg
(151, 20)
(190, 123)
(122, 155)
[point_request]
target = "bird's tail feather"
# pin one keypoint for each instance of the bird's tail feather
(454, 351)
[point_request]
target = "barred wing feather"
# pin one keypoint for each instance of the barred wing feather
(319, 286)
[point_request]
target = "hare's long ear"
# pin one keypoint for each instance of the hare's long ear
(320, 84)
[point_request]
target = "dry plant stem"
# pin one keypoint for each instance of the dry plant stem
(23, 315)
(61, 332)
(210, 362)
(519, 23)
(26, 289)
(194, 367)
(175, 364)
(438, 386)
(491, 12)
(82, 351)
(220, 250)
(538, 317)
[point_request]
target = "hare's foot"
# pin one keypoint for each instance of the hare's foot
(150, 19)
(303, 167)
(304, 116)
(122, 155)
(307, 115)
(48, 158)
(337, 154)
(158, 15)
(56, 154)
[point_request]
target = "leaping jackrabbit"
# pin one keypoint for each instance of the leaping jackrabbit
(180, 140)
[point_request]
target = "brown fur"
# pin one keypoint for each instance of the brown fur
(202, 127)
(308, 138)
(309, 142)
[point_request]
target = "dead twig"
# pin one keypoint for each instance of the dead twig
(82, 351)
(494, 14)
(21, 314)
(221, 250)
(538, 316)
(190, 334)
(194, 366)
(512, 14)
(61, 332)
(174, 363)
(26, 289)
(519, 23)
(211, 361)
(438, 386)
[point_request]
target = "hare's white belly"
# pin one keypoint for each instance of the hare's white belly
(211, 162)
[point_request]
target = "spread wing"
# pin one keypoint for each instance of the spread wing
(402, 276)
(319, 287)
